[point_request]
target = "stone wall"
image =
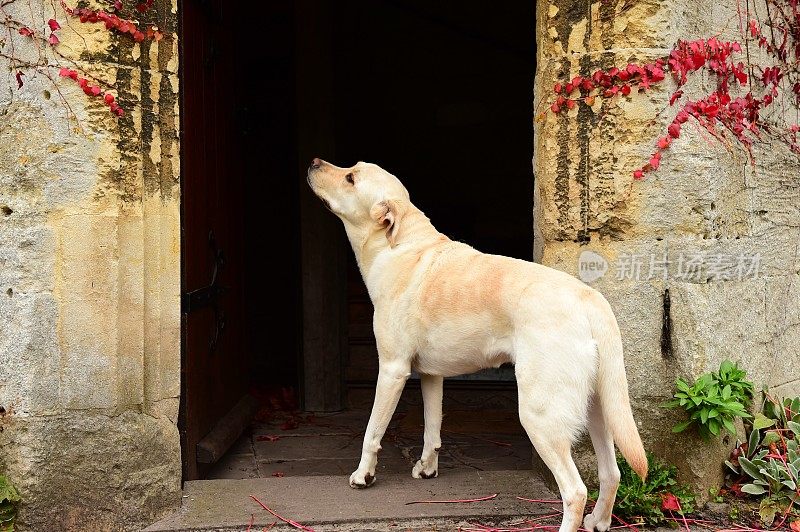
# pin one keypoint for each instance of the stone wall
(706, 199)
(90, 278)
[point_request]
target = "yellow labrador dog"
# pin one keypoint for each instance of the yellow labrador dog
(444, 309)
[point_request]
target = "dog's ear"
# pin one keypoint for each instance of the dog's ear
(388, 213)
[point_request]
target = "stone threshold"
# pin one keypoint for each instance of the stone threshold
(327, 503)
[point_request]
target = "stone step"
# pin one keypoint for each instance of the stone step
(328, 503)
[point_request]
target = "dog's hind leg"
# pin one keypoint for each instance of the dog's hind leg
(554, 448)
(428, 465)
(608, 472)
(553, 396)
(392, 379)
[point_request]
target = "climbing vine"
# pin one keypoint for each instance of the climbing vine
(743, 89)
(33, 49)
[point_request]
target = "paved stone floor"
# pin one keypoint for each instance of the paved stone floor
(297, 444)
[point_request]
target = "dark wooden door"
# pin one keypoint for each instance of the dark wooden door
(215, 363)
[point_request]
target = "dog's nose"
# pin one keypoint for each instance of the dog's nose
(316, 163)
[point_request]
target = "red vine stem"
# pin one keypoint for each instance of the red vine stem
(479, 499)
(284, 519)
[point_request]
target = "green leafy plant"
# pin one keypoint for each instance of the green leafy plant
(650, 502)
(9, 499)
(714, 400)
(768, 464)
(782, 411)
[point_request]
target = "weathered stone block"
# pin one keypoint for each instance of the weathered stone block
(83, 471)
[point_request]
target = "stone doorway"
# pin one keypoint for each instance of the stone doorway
(441, 97)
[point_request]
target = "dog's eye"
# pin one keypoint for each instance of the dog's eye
(350, 178)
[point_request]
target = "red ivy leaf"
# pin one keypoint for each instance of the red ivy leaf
(638, 174)
(95, 90)
(664, 142)
(144, 6)
(754, 28)
(53, 40)
(655, 162)
(54, 25)
(25, 31)
(555, 108)
(674, 130)
(19, 75)
(675, 96)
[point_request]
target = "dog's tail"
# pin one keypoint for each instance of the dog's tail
(612, 385)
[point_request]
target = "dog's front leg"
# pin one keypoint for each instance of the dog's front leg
(428, 465)
(392, 378)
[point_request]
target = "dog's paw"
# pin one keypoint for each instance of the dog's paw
(361, 480)
(591, 522)
(421, 471)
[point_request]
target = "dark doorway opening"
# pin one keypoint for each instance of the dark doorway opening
(437, 93)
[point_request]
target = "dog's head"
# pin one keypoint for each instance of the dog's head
(364, 196)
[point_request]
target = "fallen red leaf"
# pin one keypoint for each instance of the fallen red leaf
(290, 425)
(670, 502)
